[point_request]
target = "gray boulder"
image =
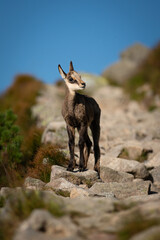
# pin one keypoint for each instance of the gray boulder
(61, 186)
(152, 233)
(88, 177)
(133, 218)
(139, 199)
(89, 206)
(110, 175)
(42, 225)
(155, 173)
(55, 133)
(137, 169)
(123, 165)
(33, 183)
(122, 190)
(78, 192)
(135, 150)
(154, 162)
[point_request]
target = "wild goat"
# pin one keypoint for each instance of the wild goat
(80, 111)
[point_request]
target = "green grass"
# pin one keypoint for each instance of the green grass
(144, 156)
(141, 158)
(63, 193)
(124, 154)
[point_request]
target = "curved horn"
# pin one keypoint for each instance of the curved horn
(71, 66)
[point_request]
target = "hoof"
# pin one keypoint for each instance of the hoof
(98, 171)
(82, 169)
(70, 169)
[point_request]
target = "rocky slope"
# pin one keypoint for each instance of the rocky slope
(128, 64)
(123, 204)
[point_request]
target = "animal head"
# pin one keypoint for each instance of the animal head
(72, 78)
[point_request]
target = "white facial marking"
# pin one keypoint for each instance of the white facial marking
(73, 87)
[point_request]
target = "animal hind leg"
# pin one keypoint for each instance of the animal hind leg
(82, 142)
(95, 128)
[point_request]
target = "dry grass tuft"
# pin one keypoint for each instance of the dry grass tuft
(46, 156)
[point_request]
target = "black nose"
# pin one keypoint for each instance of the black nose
(83, 84)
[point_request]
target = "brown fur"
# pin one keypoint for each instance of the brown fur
(80, 111)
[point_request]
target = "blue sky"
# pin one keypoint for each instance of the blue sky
(37, 35)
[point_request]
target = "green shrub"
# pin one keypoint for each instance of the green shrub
(10, 146)
(20, 97)
(10, 139)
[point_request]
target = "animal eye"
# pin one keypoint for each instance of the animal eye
(71, 80)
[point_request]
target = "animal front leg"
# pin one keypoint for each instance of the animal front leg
(82, 142)
(87, 149)
(71, 143)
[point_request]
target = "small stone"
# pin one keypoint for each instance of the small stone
(84, 186)
(45, 161)
(78, 192)
(155, 173)
(108, 195)
(154, 162)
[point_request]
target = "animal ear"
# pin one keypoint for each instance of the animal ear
(71, 66)
(63, 74)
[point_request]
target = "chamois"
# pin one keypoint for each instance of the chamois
(80, 111)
